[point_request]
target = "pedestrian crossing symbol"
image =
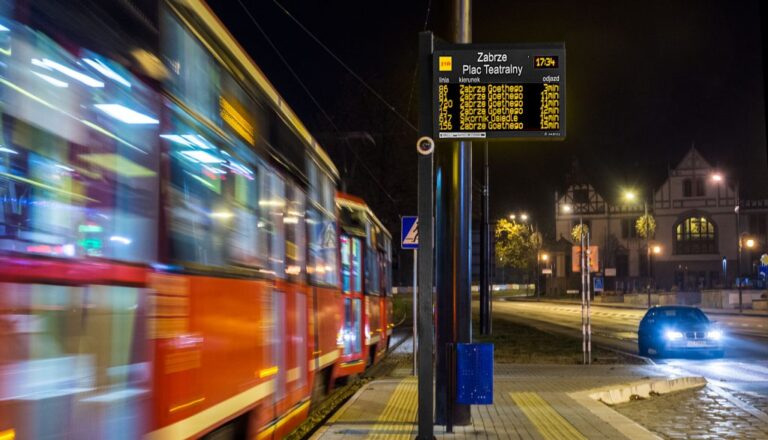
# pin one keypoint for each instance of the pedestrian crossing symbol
(409, 232)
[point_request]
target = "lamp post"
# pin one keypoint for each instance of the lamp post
(749, 243)
(631, 196)
(718, 178)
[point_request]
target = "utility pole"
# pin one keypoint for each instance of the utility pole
(738, 255)
(485, 254)
(426, 258)
(584, 268)
(453, 251)
(647, 249)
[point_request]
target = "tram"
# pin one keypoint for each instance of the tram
(170, 241)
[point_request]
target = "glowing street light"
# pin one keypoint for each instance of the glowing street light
(524, 217)
(544, 257)
(567, 208)
(656, 249)
(512, 216)
(716, 177)
(630, 196)
(750, 243)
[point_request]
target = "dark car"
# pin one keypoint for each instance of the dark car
(678, 330)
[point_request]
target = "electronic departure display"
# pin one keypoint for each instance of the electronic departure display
(496, 92)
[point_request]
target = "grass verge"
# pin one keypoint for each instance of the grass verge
(519, 344)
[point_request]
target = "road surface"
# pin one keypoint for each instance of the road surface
(744, 367)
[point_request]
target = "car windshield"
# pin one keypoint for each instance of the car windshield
(684, 315)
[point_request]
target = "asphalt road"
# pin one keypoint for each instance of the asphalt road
(744, 366)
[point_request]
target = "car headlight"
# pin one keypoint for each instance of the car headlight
(673, 335)
(714, 334)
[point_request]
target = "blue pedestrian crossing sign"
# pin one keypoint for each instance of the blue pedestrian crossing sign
(598, 282)
(409, 232)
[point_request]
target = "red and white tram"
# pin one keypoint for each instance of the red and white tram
(169, 238)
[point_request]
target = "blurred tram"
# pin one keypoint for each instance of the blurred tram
(170, 246)
(366, 284)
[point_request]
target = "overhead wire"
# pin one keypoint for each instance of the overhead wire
(347, 68)
(312, 97)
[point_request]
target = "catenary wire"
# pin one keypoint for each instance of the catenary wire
(348, 69)
(312, 97)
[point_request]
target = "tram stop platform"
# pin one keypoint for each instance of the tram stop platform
(530, 402)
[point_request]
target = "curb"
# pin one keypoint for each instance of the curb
(614, 395)
(598, 401)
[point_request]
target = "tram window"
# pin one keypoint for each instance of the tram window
(346, 264)
(321, 223)
(272, 204)
(76, 178)
(243, 247)
(357, 259)
(295, 233)
(194, 76)
(351, 333)
(214, 204)
(371, 271)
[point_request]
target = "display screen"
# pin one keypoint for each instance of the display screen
(545, 62)
(499, 93)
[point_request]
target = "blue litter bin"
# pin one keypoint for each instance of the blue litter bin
(474, 371)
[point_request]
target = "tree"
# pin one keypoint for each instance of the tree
(577, 231)
(516, 245)
(640, 224)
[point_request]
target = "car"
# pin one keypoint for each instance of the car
(678, 330)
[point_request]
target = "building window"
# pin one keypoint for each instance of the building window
(757, 224)
(581, 196)
(687, 188)
(628, 229)
(695, 235)
(699, 187)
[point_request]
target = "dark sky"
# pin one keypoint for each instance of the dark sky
(646, 80)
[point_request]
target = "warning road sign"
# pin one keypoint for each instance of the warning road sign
(409, 232)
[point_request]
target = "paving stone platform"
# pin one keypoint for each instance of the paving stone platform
(530, 402)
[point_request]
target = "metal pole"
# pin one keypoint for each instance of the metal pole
(454, 219)
(589, 302)
(738, 259)
(485, 298)
(583, 291)
(648, 250)
(738, 256)
(415, 307)
(425, 260)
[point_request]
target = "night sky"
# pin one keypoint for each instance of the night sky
(646, 80)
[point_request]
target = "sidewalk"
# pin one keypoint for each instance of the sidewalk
(530, 402)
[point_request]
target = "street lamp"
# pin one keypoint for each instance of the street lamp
(749, 243)
(719, 178)
(630, 196)
(524, 217)
(512, 216)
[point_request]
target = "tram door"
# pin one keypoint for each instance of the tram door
(351, 257)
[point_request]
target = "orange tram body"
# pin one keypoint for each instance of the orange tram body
(174, 259)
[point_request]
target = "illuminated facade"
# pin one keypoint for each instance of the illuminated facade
(695, 242)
